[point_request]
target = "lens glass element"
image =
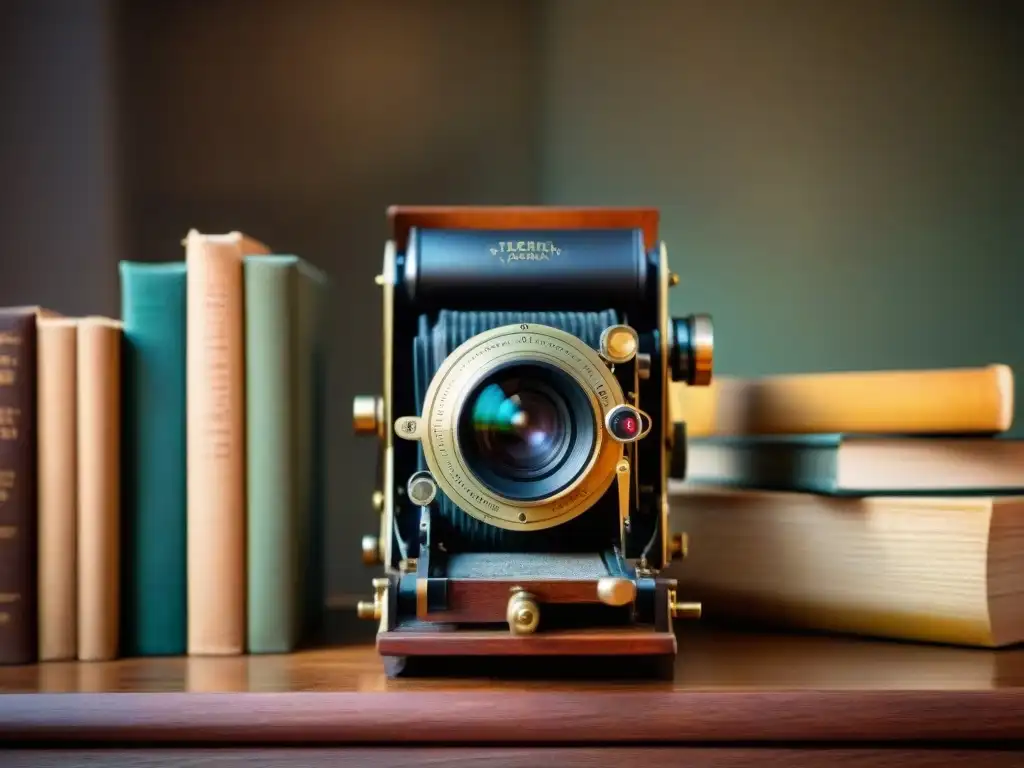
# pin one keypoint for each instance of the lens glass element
(527, 430)
(520, 426)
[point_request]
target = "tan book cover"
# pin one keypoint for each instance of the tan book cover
(935, 401)
(99, 487)
(57, 436)
(215, 362)
(942, 569)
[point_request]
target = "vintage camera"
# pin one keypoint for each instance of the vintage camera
(525, 437)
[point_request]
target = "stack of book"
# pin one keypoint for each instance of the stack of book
(161, 473)
(886, 503)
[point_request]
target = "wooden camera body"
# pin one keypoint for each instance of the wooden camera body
(525, 440)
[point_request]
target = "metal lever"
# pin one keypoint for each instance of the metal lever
(622, 477)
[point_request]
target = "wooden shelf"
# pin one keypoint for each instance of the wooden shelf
(729, 688)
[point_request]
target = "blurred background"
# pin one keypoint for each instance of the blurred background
(841, 184)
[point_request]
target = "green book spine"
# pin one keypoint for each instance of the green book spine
(154, 477)
(273, 460)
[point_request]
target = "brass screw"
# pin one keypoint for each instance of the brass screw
(374, 610)
(679, 546)
(371, 550)
(368, 415)
(682, 610)
(523, 613)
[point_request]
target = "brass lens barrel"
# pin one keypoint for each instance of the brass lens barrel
(693, 349)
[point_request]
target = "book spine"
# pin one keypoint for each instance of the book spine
(215, 390)
(18, 488)
(809, 468)
(941, 401)
(153, 298)
(58, 489)
(272, 454)
(99, 488)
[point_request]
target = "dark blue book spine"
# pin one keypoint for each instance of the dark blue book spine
(155, 573)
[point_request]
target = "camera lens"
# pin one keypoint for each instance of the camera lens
(527, 431)
(523, 430)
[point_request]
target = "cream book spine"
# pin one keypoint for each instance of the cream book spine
(99, 487)
(57, 433)
(215, 392)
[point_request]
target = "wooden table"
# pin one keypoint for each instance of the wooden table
(737, 700)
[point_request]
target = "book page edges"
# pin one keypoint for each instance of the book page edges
(995, 618)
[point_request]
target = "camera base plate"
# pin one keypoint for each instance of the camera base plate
(629, 651)
(612, 641)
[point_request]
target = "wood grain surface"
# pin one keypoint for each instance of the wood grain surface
(729, 687)
(512, 757)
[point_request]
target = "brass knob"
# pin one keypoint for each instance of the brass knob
(679, 546)
(377, 500)
(692, 352)
(682, 610)
(673, 279)
(616, 591)
(619, 344)
(374, 610)
(703, 349)
(686, 610)
(523, 613)
(371, 550)
(368, 415)
(365, 610)
(421, 488)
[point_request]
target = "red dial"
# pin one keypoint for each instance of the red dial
(624, 423)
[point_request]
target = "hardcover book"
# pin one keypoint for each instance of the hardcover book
(19, 605)
(860, 465)
(282, 336)
(155, 480)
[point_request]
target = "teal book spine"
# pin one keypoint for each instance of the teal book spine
(154, 475)
(273, 454)
(804, 463)
(812, 464)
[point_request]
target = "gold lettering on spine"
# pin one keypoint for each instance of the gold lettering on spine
(10, 418)
(9, 366)
(216, 340)
(10, 430)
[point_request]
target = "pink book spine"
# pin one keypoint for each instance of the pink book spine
(215, 386)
